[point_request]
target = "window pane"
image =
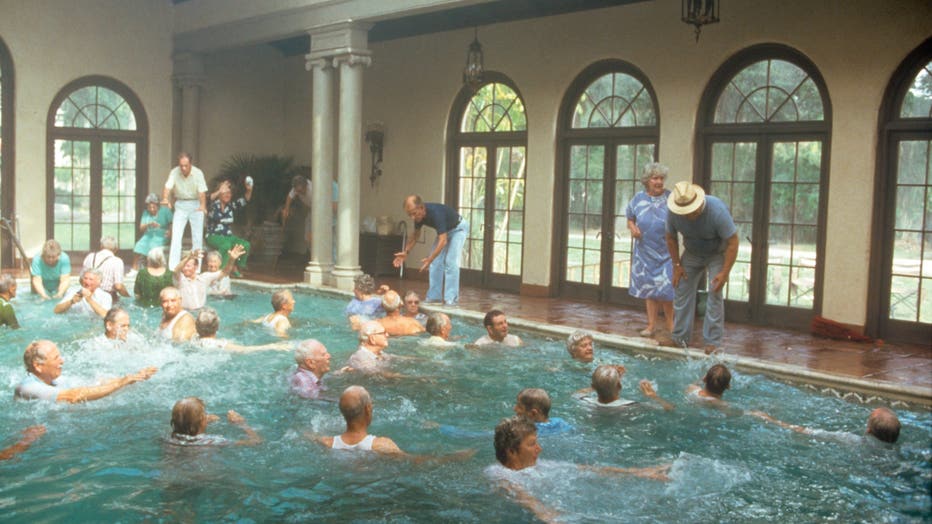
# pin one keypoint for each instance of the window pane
(918, 100)
(614, 100)
(494, 108)
(769, 91)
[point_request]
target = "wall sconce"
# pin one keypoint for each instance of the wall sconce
(472, 73)
(375, 137)
(698, 13)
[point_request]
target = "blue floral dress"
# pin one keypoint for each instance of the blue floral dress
(651, 269)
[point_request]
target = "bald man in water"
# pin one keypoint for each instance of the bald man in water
(356, 408)
(394, 323)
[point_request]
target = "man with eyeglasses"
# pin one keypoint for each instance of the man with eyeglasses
(370, 358)
(412, 307)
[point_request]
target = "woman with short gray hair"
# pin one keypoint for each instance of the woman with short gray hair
(651, 268)
(152, 279)
(154, 226)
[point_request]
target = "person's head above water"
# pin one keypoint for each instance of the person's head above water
(391, 301)
(533, 404)
(356, 407)
(516, 445)
(189, 417)
(496, 325)
(439, 325)
(580, 345)
(883, 425)
(717, 379)
(606, 381)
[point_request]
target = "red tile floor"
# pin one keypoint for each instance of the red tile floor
(902, 364)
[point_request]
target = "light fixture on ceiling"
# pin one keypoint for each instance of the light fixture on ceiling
(473, 72)
(698, 13)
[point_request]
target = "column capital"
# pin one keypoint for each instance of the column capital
(318, 62)
(353, 59)
(340, 38)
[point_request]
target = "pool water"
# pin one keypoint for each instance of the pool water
(107, 461)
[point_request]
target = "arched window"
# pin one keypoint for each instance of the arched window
(7, 177)
(901, 285)
(97, 145)
(609, 129)
(490, 125)
(763, 131)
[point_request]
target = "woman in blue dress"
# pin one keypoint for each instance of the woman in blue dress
(651, 270)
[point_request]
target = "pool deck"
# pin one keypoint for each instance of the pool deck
(897, 371)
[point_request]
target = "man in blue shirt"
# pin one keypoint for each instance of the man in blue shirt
(444, 259)
(710, 239)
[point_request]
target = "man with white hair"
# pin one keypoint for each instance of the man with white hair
(313, 361)
(89, 299)
(177, 324)
(44, 362)
(110, 267)
(7, 292)
(371, 356)
(394, 323)
(439, 327)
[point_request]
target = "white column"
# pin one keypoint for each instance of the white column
(189, 78)
(350, 143)
(320, 267)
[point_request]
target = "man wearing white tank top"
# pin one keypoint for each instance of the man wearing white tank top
(356, 407)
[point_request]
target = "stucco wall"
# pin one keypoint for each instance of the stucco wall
(53, 43)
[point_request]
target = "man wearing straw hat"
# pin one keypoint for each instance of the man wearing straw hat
(710, 239)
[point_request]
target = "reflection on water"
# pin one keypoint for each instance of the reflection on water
(108, 460)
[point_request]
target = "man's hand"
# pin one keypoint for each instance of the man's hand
(647, 388)
(678, 274)
(719, 281)
(425, 263)
(237, 251)
(399, 258)
(234, 417)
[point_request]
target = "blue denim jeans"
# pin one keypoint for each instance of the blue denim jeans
(684, 301)
(445, 269)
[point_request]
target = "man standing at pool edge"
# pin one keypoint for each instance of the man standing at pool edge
(187, 183)
(444, 260)
(711, 245)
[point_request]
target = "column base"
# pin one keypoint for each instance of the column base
(343, 276)
(318, 274)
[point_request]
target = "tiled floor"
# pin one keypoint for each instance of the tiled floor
(909, 365)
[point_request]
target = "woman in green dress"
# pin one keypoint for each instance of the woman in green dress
(152, 279)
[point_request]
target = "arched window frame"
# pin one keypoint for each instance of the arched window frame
(567, 134)
(7, 149)
(707, 130)
(139, 136)
(456, 138)
(890, 128)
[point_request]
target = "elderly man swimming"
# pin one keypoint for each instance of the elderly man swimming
(177, 324)
(89, 299)
(395, 324)
(313, 362)
(44, 363)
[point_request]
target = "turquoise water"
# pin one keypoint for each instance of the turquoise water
(106, 461)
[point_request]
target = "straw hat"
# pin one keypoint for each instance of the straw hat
(685, 198)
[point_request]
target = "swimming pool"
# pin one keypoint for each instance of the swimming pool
(107, 461)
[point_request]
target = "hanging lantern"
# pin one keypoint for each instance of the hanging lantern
(472, 73)
(698, 13)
